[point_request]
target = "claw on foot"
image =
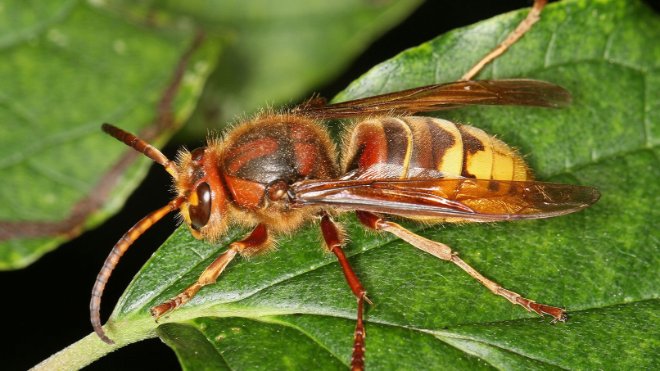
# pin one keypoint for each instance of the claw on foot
(162, 309)
(557, 314)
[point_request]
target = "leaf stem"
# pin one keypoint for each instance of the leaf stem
(91, 347)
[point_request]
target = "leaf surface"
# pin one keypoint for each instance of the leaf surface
(70, 66)
(66, 68)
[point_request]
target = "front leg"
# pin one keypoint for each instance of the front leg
(256, 240)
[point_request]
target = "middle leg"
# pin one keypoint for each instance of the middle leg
(333, 239)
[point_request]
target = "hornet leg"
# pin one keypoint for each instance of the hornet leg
(256, 239)
(532, 17)
(444, 252)
(334, 239)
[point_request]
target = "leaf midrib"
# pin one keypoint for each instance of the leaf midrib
(273, 311)
(264, 312)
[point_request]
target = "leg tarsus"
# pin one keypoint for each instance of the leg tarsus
(333, 239)
(557, 314)
(357, 358)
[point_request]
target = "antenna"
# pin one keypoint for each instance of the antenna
(113, 259)
(141, 146)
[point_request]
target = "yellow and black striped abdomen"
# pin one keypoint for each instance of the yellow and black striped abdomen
(417, 142)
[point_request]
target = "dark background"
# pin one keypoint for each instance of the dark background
(53, 312)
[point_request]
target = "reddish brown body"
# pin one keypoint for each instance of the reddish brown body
(278, 171)
(256, 165)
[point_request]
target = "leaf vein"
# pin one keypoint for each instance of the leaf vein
(34, 31)
(50, 141)
(58, 177)
(224, 360)
(547, 58)
(492, 345)
(645, 117)
(277, 321)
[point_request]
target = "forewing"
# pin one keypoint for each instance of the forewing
(463, 198)
(521, 92)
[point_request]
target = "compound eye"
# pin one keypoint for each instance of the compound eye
(200, 213)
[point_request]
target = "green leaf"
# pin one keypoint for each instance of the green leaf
(70, 66)
(66, 68)
(292, 308)
(275, 51)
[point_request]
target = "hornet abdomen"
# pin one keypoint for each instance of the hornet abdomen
(414, 142)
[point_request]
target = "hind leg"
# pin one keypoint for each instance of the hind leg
(524, 26)
(444, 252)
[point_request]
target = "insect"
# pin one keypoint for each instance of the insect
(278, 171)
